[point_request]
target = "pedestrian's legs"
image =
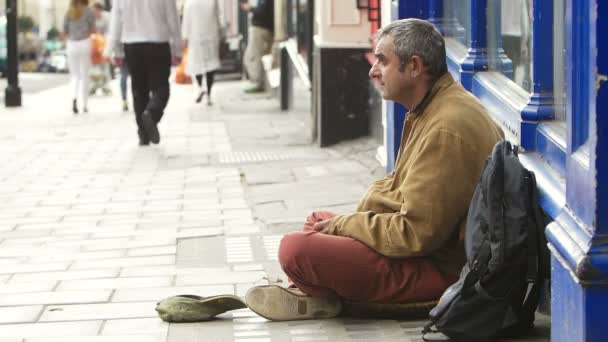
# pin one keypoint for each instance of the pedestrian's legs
(73, 66)
(253, 55)
(201, 92)
(106, 78)
(85, 66)
(159, 69)
(258, 45)
(79, 61)
(210, 76)
(199, 79)
(124, 75)
(136, 63)
(324, 265)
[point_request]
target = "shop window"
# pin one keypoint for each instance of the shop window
(559, 59)
(457, 14)
(510, 28)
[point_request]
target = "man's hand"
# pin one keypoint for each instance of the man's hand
(118, 61)
(176, 60)
(322, 226)
(245, 6)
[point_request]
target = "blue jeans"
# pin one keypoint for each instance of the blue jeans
(124, 75)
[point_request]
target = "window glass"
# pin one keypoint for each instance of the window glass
(457, 14)
(559, 59)
(515, 37)
(510, 28)
(304, 32)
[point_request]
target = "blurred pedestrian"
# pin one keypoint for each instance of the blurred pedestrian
(78, 25)
(102, 19)
(101, 66)
(260, 41)
(202, 29)
(149, 32)
(124, 76)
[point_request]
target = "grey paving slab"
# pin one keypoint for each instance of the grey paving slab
(169, 270)
(158, 293)
(115, 283)
(55, 297)
(123, 262)
(128, 243)
(78, 256)
(29, 268)
(117, 338)
(141, 326)
(214, 331)
(87, 312)
(201, 252)
(151, 251)
(36, 286)
(185, 233)
(20, 314)
(221, 278)
(65, 275)
(56, 329)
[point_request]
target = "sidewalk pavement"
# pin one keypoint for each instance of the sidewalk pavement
(94, 230)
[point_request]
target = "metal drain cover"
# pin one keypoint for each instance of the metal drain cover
(238, 157)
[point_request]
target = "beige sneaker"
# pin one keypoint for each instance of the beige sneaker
(277, 303)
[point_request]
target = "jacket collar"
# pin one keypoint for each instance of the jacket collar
(443, 82)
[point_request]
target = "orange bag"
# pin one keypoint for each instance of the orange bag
(98, 44)
(180, 74)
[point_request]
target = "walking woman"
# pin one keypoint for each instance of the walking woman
(202, 28)
(78, 26)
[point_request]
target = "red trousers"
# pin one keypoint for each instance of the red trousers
(324, 265)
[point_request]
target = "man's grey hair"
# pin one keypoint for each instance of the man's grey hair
(421, 38)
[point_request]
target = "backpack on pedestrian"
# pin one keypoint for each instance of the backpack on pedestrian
(507, 257)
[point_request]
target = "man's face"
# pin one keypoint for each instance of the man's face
(98, 13)
(388, 75)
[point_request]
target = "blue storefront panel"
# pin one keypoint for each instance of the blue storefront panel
(555, 114)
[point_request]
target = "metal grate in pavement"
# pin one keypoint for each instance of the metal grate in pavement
(238, 157)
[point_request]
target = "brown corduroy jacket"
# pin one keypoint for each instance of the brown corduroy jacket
(420, 208)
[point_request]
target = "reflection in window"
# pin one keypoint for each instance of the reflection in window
(516, 34)
(559, 59)
(458, 14)
(298, 25)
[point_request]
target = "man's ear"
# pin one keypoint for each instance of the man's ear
(417, 66)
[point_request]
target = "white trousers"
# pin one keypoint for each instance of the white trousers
(79, 63)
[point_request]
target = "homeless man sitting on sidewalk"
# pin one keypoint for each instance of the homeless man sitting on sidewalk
(404, 244)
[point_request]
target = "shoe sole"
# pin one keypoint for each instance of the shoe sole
(151, 129)
(190, 308)
(276, 303)
(200, 97)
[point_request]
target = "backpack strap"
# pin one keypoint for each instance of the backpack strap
(533, 227)
(537, 263)
(542, 220)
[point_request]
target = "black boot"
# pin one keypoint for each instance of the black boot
(150, 127)
(74, 107)
(143, 138)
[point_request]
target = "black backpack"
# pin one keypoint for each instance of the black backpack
(507, 257)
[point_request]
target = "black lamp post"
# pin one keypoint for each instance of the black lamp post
(12, 94)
